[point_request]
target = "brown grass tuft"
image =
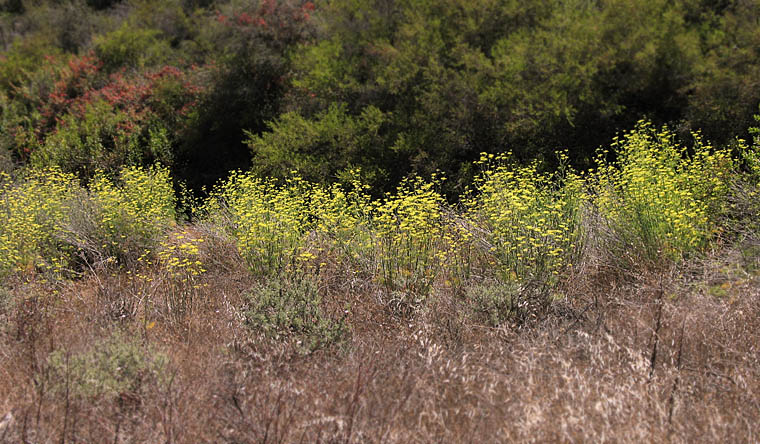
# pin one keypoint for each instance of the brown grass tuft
(667, 356)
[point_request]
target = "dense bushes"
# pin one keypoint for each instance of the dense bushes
(83, 144)
(399, 88)
(396, 207)
(341, 113)
(35, 210)
(131, 48)
(454, 80)
(269, 222)
(324, 148)
(656, 200)
(532, 219)
(508, 247)
(134, 211)
(75, 116)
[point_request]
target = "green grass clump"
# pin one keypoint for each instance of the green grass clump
(659, 200)
(494, 303)
(530, 220)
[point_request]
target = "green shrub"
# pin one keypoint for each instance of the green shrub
(21, 59)
(100, 139)
(321, 148)
(118, 365)
(130, 47)
(751, 155)
(287, 308)
(659, 201)
(493, 302)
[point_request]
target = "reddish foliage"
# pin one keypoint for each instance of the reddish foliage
(84, 65)
(244, 19)
(79, 83)
(73, 81)
(267, 7)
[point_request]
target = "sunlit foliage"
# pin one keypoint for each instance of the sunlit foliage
(134, 210)
(34, 210)
(51, 222)
(408, 228)
(659, 199)
(532, 220)
(269, 222)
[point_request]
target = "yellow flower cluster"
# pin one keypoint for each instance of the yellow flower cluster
(405, 240)
(341, 215)
(408, 229)
(284, 226)
(135, 210)
(659, 200)
(179, 268)
(33, 211)
(179, 254)
(521, 224)
(48, 217)
(268, 221)
(531, 219)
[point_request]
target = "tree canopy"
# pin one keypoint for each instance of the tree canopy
(392, 87)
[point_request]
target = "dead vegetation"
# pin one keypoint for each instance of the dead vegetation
(670, 355)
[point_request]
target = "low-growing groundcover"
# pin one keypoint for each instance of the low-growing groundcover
(550, 306)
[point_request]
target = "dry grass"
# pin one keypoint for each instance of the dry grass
(670, 355)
